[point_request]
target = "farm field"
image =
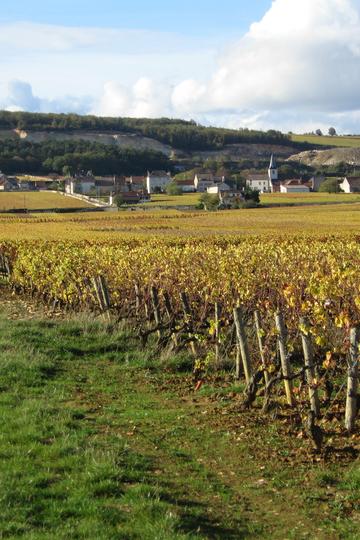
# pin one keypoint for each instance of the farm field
(163, 200)
(192, 199)
(44, 200)
(277, 221)
(105, 443)
(309, 198)
(341, 141)
(38, 200)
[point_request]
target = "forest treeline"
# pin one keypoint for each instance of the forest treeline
(181, 134)
(18, 156)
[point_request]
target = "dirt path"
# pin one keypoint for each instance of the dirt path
(222, 483)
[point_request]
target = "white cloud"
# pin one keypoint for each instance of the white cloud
(186, 95)
(298, 68)
(20, 97)
(303, 53)
(302, 57)
(51, 58)
(114, 102)
(58, 39)
(143, 100)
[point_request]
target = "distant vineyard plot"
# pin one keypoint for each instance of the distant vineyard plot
(38, 201)
(280, 220)
(341, 141)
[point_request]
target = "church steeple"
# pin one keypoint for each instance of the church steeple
(273, 170)
(272, 162)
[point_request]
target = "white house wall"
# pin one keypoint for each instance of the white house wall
(345, 186)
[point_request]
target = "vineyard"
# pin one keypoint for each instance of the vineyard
(312, 221)
(282, 312)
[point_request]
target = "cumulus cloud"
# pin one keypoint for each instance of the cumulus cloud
(20, 97)
(144, 99)
(187, 95)
(302, 53)
(303, 56)
(115, 100)
(298, 68)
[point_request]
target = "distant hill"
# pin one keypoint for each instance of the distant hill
(179, 134)
(41, 143)
(328, 158)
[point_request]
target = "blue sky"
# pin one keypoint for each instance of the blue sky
(185, 16)
(284, 64)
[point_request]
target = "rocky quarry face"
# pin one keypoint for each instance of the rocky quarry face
(334, 156)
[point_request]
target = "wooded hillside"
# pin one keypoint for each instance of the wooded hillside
(181, 134)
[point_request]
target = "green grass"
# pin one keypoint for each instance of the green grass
(70, 407)
(164, 200)
(101, 440)
(38, 200)
(341, 141)
(309, 198)
(192, 199)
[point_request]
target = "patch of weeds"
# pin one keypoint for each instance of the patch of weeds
(327, 478)
(179, 363)
(226, 391)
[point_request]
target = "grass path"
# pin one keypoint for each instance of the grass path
(99, 442)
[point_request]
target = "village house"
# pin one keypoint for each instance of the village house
(294, 186)
(316, 181)
(227, 195)
(351, 184)
(216, 189)
(14, 182)
(8, 183)
(30, 182)
(4, 183)
(107, 185)
(136, 183)
(104, 186)
(265, 183)
(261, 182)
(230, 197)
(157, 181)
(134, 197)
(203, 180)
(82, 183)
(187, 186)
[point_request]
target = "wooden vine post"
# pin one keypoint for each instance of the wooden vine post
(156, 308)
(285, 364)
(137, 299)
(188, 318)
(217, 333)
(261, 344)
(242, 344)
(102, 295)
(147, 312)
(309, 366)
(170, 315)
(352, 381)
(4, 266)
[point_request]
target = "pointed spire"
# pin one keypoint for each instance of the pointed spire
(272, 162)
